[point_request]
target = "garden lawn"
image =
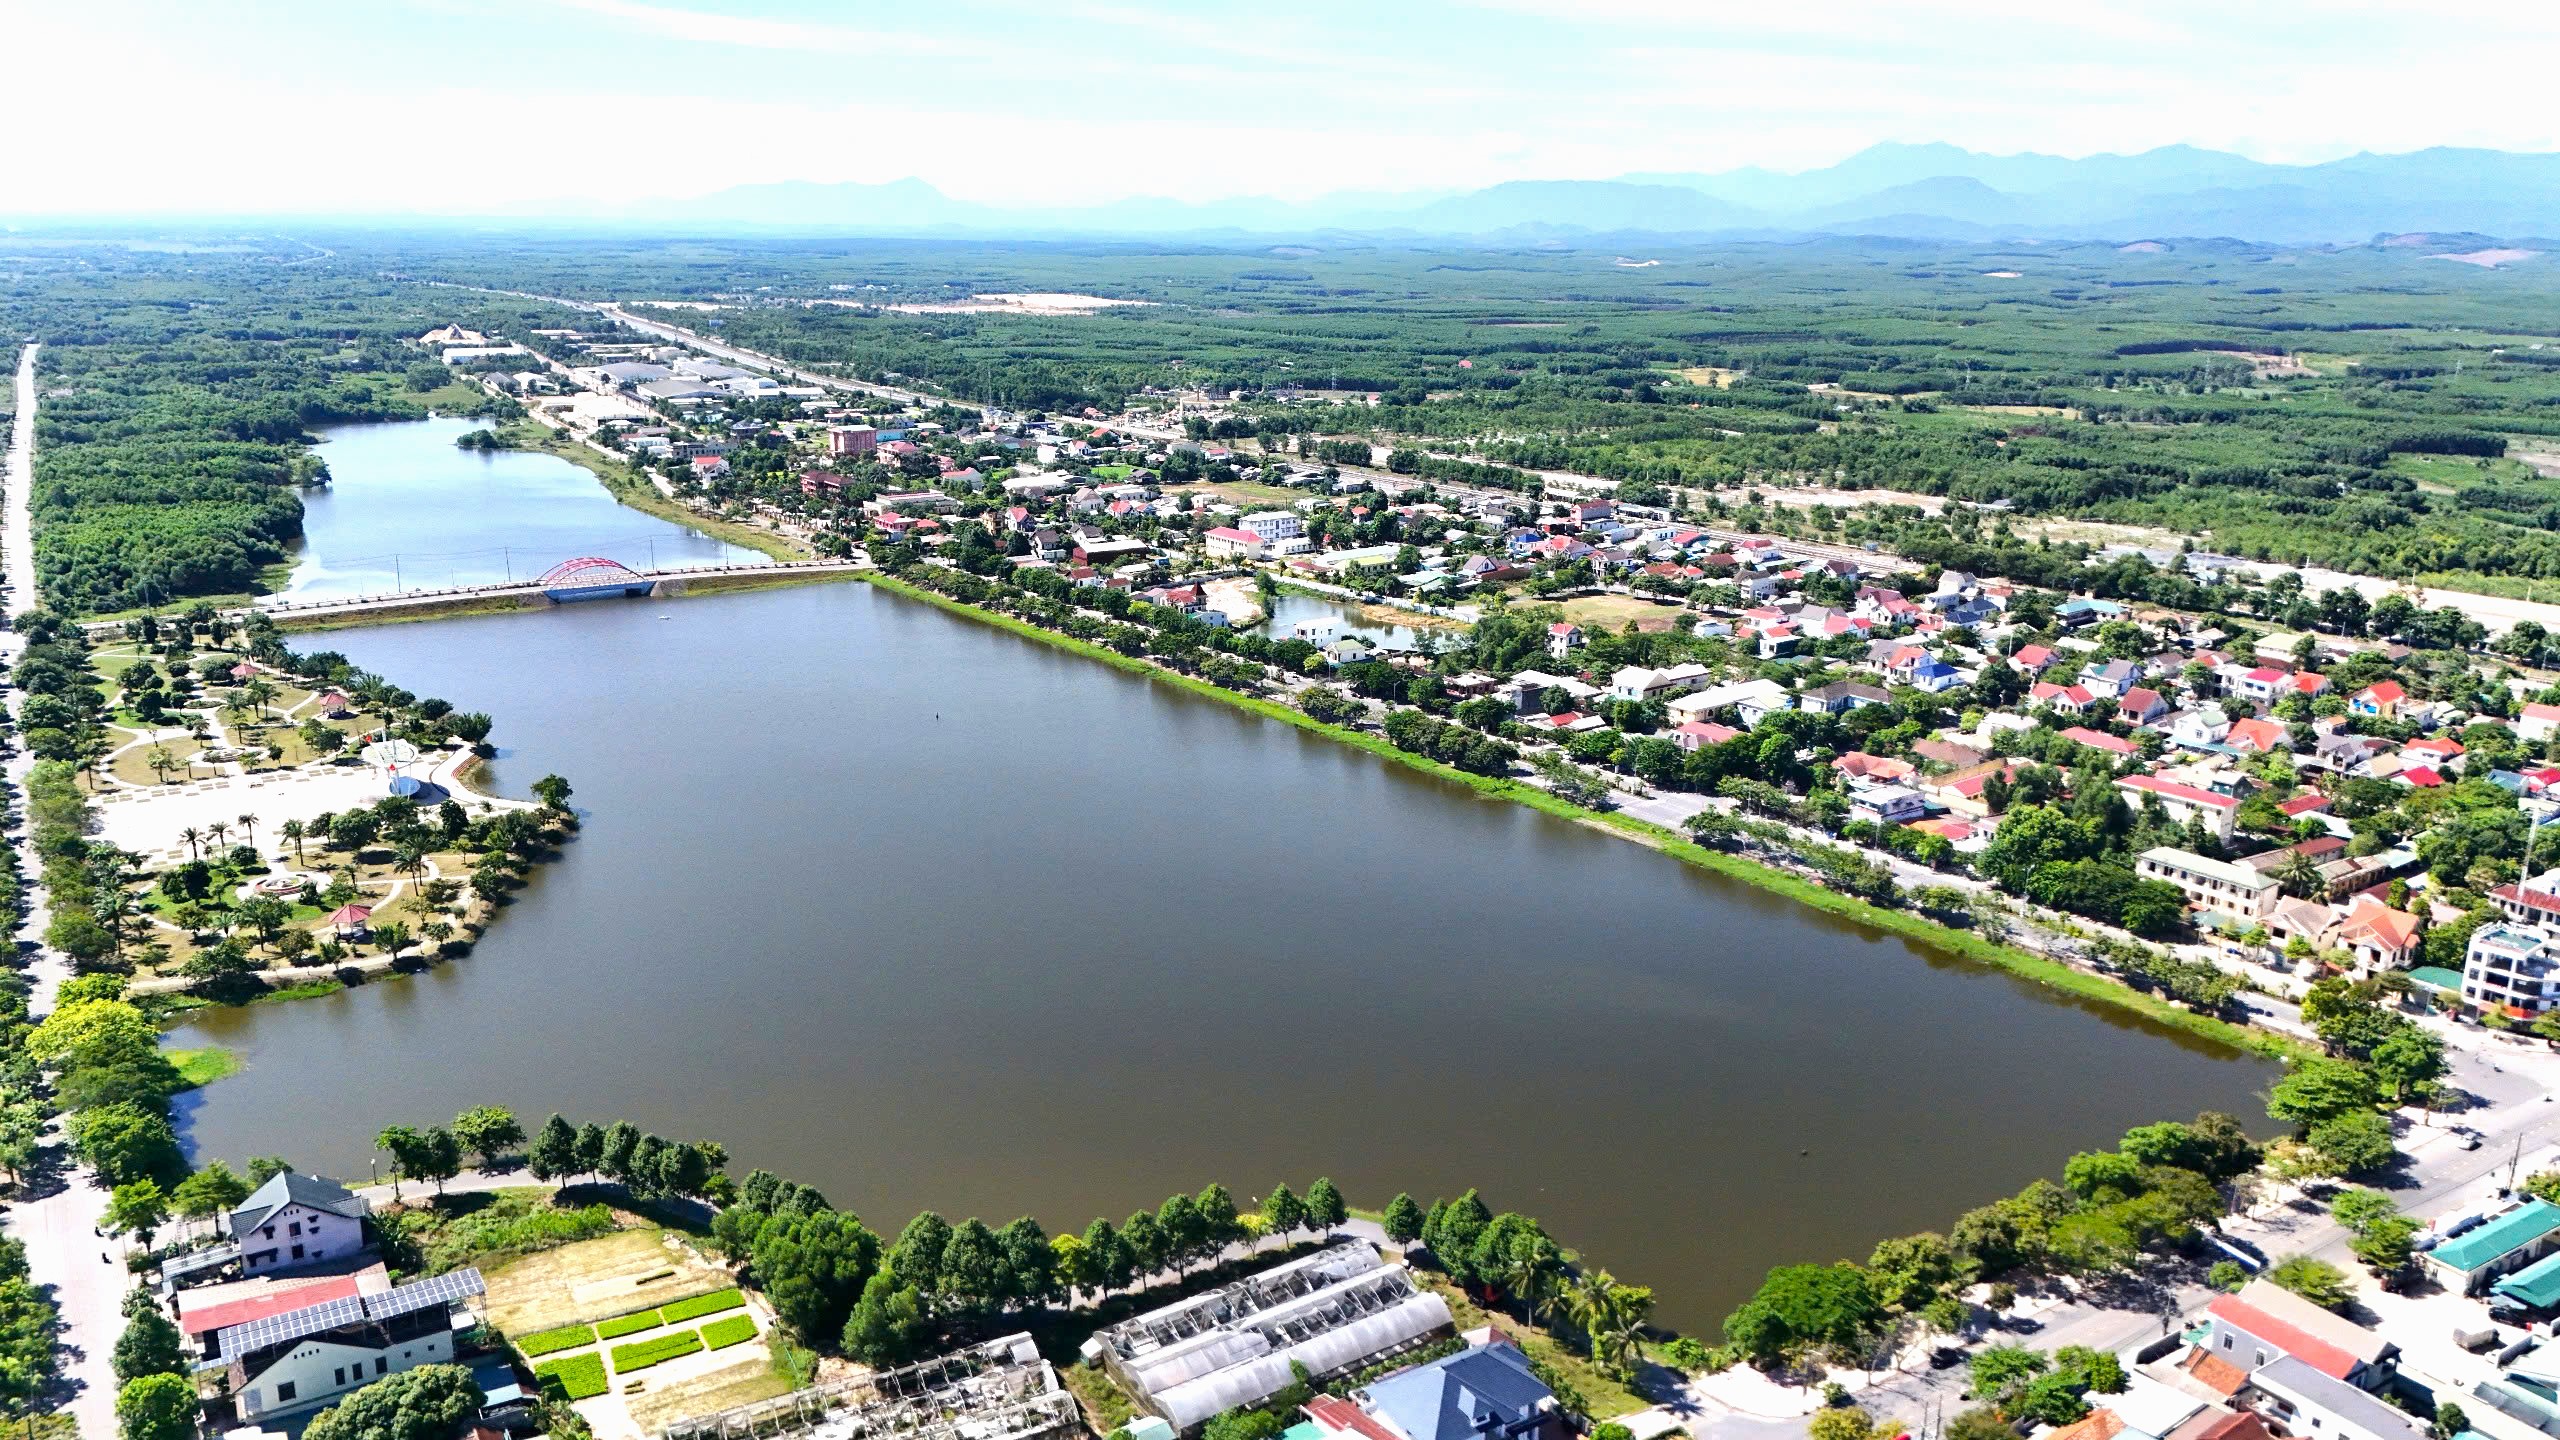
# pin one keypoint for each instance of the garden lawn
(641, 1354)
(676, 1312)
(567, 1337)
(580, 1377)
(736, 1330)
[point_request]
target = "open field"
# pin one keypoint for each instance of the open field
(595, 1279)
(1611, 612)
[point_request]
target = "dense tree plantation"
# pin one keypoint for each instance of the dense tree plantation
(179, 393)
(2371, 408)
(2361, 407)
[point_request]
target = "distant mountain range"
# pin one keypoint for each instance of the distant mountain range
(1916, 191)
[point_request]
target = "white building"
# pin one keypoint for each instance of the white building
(293, 1362)
(296, 1220)
(2211, 884)
(2183, 802)
(1282, 530)
(2511, 967)
(1331, 1312)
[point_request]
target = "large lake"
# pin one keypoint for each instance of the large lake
(407, 510)
(932, 915)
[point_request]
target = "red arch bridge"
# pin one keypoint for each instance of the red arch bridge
(591, 577)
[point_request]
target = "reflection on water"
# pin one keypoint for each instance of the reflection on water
(932, 915)
(407, 509)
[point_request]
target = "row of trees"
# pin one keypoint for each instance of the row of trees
(2160, 1182)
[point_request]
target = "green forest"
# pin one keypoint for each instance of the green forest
(2371, 408)
(179, 397)
(2366, 408)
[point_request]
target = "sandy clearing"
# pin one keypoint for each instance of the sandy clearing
(2488, 259)
(1043, 302)
(1805, 497)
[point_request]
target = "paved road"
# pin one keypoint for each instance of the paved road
(17, 532)
(59, 1221)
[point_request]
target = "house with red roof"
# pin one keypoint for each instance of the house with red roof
(2065, 699)
(2183, 802)
(2435, 752)
(2101, 740)
(2034, 659)
(2142, 705)
(1562, 636)
(2378, 701)
(2265, 1322)
(2537, 722)
(1698, 734)
(2259, 736)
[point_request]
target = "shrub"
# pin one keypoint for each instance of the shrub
(696, 1306)
(632, 1324)
(580, 1377)
(641, 1354)
(721, 1334)
(567, 1337)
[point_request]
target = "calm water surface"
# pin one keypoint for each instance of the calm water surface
(407, 510)
(934, 916)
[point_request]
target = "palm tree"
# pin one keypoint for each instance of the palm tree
(294, 831)
(392, 936)
(1612, 1317)
(161, 762)
(2299, 875)
(249, 829)
(410, 860)
(195, 841)
(218, 831)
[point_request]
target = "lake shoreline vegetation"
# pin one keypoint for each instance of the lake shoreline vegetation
(219, 920)
(1904, 924)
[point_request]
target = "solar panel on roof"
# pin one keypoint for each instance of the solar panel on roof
(236, 1340)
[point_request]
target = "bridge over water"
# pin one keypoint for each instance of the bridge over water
(588, 577)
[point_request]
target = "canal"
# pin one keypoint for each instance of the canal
(408, 510)
(931, 915)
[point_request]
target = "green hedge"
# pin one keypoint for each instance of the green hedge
(631, 1324)
(567, 1337)
(697, 1306)
(641, 1354)
(580, 1377)
(736, 1330)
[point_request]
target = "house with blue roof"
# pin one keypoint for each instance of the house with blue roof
(1485, 1392)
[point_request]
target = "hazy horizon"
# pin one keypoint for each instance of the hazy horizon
(483, 108)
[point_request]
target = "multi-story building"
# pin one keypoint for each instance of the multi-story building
(852, 440)
(289, 1363)
(2211, 884)
(2513, 968)
(2183, 802)
(1281, 530)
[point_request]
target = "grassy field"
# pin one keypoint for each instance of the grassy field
(633, 1324)
(567, 1337)
(735, 1330)
(676, 1312)
(1897, 922)
(580, 1377)
(641, 1354)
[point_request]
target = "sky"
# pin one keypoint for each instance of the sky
(473, 107)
